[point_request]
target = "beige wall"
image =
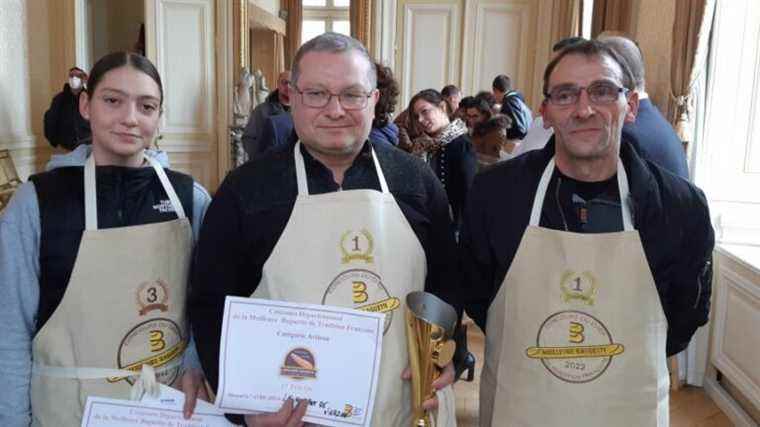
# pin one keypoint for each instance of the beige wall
(26, 80)
(653, 25)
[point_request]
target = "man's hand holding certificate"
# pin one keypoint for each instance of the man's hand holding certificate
(273, 350)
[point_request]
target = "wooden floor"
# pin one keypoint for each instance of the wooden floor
(689, 406)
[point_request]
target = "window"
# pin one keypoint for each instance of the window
(320, 16)
(728, 159)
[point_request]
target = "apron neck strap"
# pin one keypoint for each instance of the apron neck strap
(303, 185)
(543, 184)
(90, 192)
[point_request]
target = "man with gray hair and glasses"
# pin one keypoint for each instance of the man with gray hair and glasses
(589, 267)
(280, 227)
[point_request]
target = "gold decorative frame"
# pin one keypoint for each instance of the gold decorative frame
(9, 179)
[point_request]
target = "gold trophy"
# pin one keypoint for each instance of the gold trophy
(430, 324)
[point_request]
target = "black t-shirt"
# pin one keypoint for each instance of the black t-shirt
(584, 207)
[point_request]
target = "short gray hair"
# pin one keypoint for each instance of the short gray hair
(334, 43)
(630, 52)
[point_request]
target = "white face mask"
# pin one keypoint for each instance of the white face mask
(75, 83)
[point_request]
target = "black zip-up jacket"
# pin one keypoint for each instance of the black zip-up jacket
(64, 125)
(670, 214)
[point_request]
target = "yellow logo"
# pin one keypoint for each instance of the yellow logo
(164, 343)
(574, 346)
(357, 246)
(362, 290)
(578, 287)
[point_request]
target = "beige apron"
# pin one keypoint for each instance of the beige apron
(355, 249)
(576, 334)
(124, 307)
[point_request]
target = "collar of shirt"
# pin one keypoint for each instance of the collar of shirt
(360, 175)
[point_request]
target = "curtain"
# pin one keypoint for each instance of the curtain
(612, 15)
(293, 37)
(360, 13)
(691, 33)
(566, 19)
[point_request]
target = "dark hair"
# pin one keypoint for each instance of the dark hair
(333, 43)
(488, 97)
(430, 95)
(386, 104)
(76, 69)
(467, 102)
(591, 49)
(567, 41)
(482, 106)
(120, 59)
(497, 122)
(502, 83)
(449, 91)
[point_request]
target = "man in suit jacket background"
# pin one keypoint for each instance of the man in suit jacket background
(651, 135)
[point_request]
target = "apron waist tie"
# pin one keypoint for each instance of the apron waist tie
(146, 382)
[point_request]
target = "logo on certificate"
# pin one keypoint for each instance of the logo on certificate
(362, 290)
(156, 342)
(299, 364)
(152, 296)
(574, 347)
(578, 287)
(357, 246)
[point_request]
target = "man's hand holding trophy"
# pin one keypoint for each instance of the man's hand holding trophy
(430, 325)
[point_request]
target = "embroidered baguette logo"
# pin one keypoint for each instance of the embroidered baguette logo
(581, 287)
(362, 290)
(299, 364)
(164, 343)
(357, 246)
(152, 296)
(574, 346)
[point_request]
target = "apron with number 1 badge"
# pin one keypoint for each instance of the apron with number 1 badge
(576, 334)
(355, 249)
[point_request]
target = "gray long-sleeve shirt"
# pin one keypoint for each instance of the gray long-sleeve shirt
(20, 291)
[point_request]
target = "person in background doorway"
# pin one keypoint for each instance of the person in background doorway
(64, 125)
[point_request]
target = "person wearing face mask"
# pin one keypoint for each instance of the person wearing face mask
(64, 125)
(94, 259)
(451, 157)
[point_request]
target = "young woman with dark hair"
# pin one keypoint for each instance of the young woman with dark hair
(94, 260)
(451, 156)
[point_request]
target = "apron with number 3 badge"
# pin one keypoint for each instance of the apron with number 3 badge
(576, 334)
(124, 307)
(355, 249)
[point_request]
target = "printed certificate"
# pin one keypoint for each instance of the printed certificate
(163, 411)
(272, 350)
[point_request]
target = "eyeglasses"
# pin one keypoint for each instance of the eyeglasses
(599, 93)
(349, 100)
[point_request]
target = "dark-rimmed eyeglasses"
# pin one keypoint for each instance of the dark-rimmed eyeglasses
(599, 93)
(319, 98)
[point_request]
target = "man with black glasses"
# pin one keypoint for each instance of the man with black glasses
(589, 267)
(331, 219)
